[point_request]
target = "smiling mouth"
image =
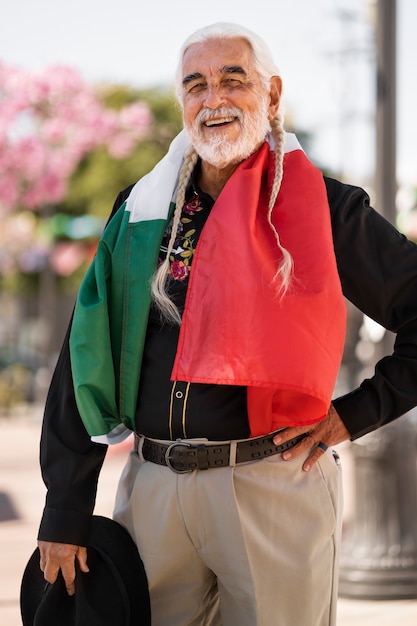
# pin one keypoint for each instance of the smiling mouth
(222, 121)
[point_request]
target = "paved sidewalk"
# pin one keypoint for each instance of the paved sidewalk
(21, 501)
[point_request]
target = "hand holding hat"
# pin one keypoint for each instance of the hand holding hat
(113, 593)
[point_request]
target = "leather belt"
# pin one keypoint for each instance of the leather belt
(183, 456)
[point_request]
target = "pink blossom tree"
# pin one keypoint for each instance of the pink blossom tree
(49, 121)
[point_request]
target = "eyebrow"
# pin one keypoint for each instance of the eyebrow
(233, 69)
(226, 69)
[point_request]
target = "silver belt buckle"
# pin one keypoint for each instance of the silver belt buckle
(168, 457)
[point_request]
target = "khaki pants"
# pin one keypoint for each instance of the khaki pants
(250, 545)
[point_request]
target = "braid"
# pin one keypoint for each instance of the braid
(166, 307)
(284, 272)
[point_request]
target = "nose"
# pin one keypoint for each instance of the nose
(214, 97)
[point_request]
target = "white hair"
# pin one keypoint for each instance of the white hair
(264, 63)
(266, 69)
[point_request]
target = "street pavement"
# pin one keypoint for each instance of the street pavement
(22, 495)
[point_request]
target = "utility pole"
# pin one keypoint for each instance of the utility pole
(386, 135)
(379, 551)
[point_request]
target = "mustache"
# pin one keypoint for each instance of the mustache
(206, 115)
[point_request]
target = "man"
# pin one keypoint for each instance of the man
(225, 366)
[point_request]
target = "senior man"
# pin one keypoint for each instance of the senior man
(211, 323)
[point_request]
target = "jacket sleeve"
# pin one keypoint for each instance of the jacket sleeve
(378, 272)
(70, 461)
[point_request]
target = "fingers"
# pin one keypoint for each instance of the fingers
(309, 443)
(82, 559)
(68, 574)
(313, 457)
(320, 436)
(61, 556)
(286, 434)
(317, 448)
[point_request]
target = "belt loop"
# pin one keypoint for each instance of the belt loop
(139, 441)
(233, 453)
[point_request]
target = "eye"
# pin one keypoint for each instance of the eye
(232, 82)
(196, 87)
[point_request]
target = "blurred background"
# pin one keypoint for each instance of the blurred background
(87, 107)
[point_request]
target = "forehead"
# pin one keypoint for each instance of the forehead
(209, 57)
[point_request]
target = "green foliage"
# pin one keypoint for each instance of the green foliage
(98, 179)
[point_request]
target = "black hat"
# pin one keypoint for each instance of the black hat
(113, 593)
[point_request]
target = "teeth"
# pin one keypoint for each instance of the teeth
(217, 122)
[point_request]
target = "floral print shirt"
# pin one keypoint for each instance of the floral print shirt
(195, 212)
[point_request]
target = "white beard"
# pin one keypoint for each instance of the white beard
(219, 151)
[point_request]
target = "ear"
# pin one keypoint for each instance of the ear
(274, 96)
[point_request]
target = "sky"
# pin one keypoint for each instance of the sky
(323, 48)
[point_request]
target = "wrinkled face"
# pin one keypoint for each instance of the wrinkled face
(226, 107)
